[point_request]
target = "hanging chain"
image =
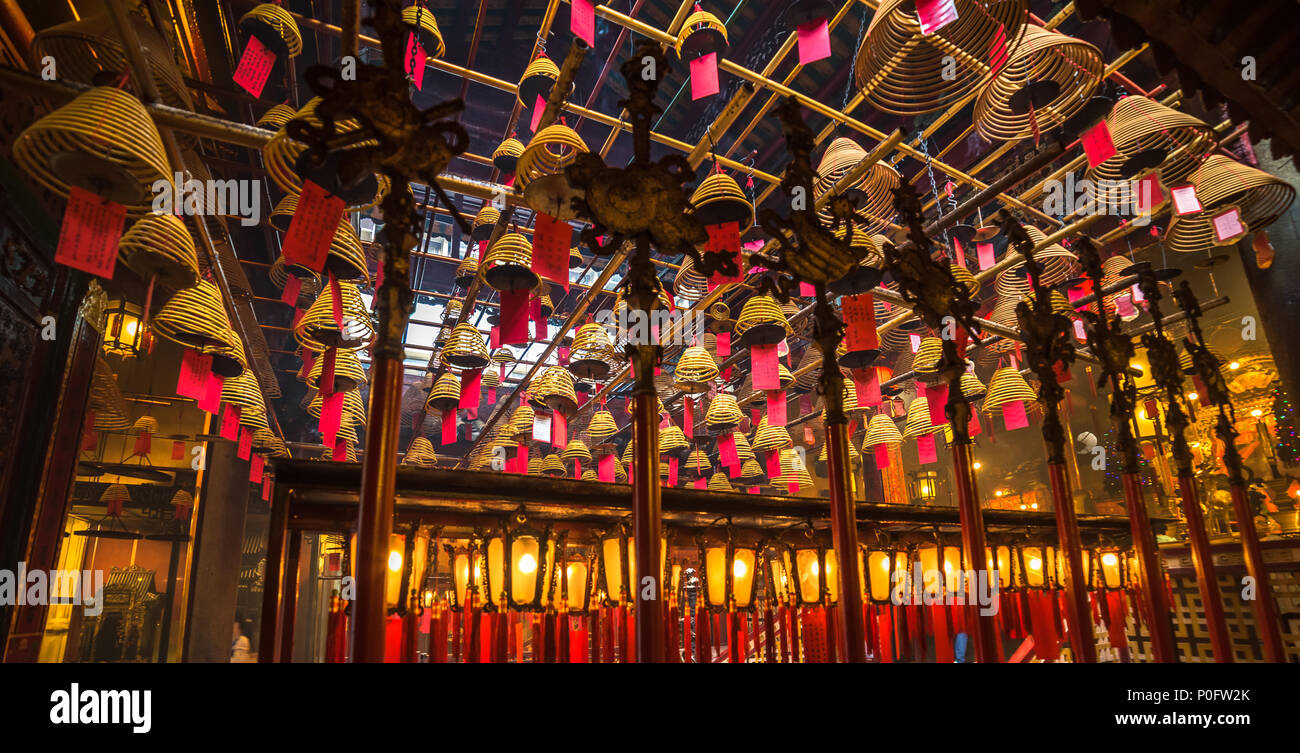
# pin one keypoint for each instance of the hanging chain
(934, 186)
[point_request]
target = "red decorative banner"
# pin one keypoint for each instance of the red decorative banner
(1014, 416)
(471, 388)
(312, 228)
(551, 248)
(331, 416)
(254, 67)
(192, 381)
(1097, 144)
(292, 288)
(559, 429)
(764, 362)
(860, 322)
(90, 232)
(448, 427)
(925, 451)
(514, 317)
(704, 76)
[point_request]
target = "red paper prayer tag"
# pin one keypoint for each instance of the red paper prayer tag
(860, 322)
(925, 451)
(764, 363)
(915, 341)
(494, 338)
(471, 383)
(312, 228)
(266, 487)
(1227, 226)
(559, 429)
(704, 76)
(1097, 144)
(727, 454)
(984, 251)
(415, 60)
(867, 384)
(230, 423)
(245, 443)
(701, 483)
(935, 14)
(881, 453)
(254, 67)
(211, 400)
(605, 469)
(724, 345)
(448, 427)
(1185, 201)
(773, 464)
(672, 471)
(193, 378)
(551, 249)
(143, 444)
(255, 466)
(539, 107)
(326, 381)
(292, 288)
(514, 317)
(178, 450)
(807, 290)
(1147, 193)
(331, 416)
(582, 21)
(814, 41)
(936, 398)
(90, 232)
(1013, 415)
(340, 453)
(725, 239)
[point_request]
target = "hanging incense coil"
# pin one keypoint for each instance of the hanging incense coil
(465, 348)
(591, 353)
(972, 387)
(145, 425)
(507, 266)
(521, 423)
(904, 72)
(855, 457)
(918, 420)
(274, 27)
(555, 388)
(243, 391)
(275, 118)
(793, 471)
(506, 156)
(265, 440)
(744, 453)
(1149, 136)
(282, 213)
(768, 437)
(855, 359)
(317, 331)
(576, 449)
(925, 362)
(602, 427)
(575, 258)
(91, 46)
(881, 430)
(551, 466)
(1223, 183)
(115, 495)
(196, 318)
(672, 441)
(718, 199)
(159, 247)
(964, 276)
(809, 371)
(540, 75)
(346, 259)
(541, 173)
(698, 463)
(695, 370)
(718, 319)
(1007, 386)
(689, 285)
(628, 449)
(701, 34)
(466, 271)
(348, 372)
(484, 223)
(545, 305)
(451, 312)
(874, 190)
(76, 146)
(1047, 78)
(590, 475)
(423, 24)
(289, 162)
(762, 322)
(718, 482)
(850, 400)
(445, 394)
(503, 356)
(420, 453)
(1059, 303)
(309, 280)
(750, 471)
(723, 414)
(491, 378)
(1057, 263)
(866, 275)
(354, 408)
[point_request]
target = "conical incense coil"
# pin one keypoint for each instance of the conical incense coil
(695, 370)
(521, 422)
(902, 71)
(484, 223)
(872, 254)
(928, 356)
(719, 199)
(1007, 386)
(1223, 183)
(348, 372)
(963, 276)
(762, 322)
(723, 413)
(701, 33)
(550, 150)
(540, 75)
(275, 118)
(556, 390)
(286, 159)
(354, 408)
(317, 331)
(265, 440)
(466, 348)
(590, 475)
(115, 495)
(972, 387)
(445, 394)
(145, 425)
(672, 439)
(309, 281)
(507, 265)
(1047, 78)
(420, 453)
(698, 463)
(768, 437)
(506, 156)
(159, 247)
(751, 471)
(744, 451)
(243, 391)
(620, 472)
(1057, 263)
(196, 318)
(503, 356)
(491, 378)
(1059, 303)
(689, 285)
(793, 471)
(278, 20)
(552, 465)
(346, 259)
(874, 190)
(918, 419)
(809, 372)
(628, 449)
(855, 457)
(1149, 136)
(592, 352)
(718, 482)
(576, 449)
(602, 426)
(881, 430)
(421, 21)
(76, 146)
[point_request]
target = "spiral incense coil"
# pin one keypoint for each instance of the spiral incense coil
(420, 453)
(451, 312)
(695, 370)
(918, 420)
(809, 371)
(576, 449)
(744, 452)
(316, 330)
(274, 27)
(544, 303)
(672, 440)
(286, 158)
(874, 190)
(1222, 183)
(310, 281)
(628, 449)
(718, 199)
(718, 318)
(592, 352)
(768, 437)
(354, 408)
(91, 45)
(602, 427)
(346, 259)
(550, 150)
(904, 72)
(115, 495)
(484, 223)
(521, 422)
(855, 457)
(275, 118)
(552, 465)
(466, 271)
(926, 360)
(881, 430)
(425, 26)
(265, 440)
(1059, 303)
(1012, 283)
(972, 387)
(507, 266)
(348, 372)
(347, 433)
(1149, 136)
(1047, 78)
(750, 471)
(159, 247)
(555, 387)
(850, 400)
(718, 482)
(540, 75)
(195, 317)
(698, 463)
(701, 33)
(866, 245)
(445, 394)
(1007, 386)
(762, 322)
(966, 278)
(1057, 263)
(104, 142)
(724, 413)
(502, 356)
(1004, 313)
(689, 285)
(793, 472)
(244, 392)
(491, 378)
(506, 156)
(282, 213)
(466, 348)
